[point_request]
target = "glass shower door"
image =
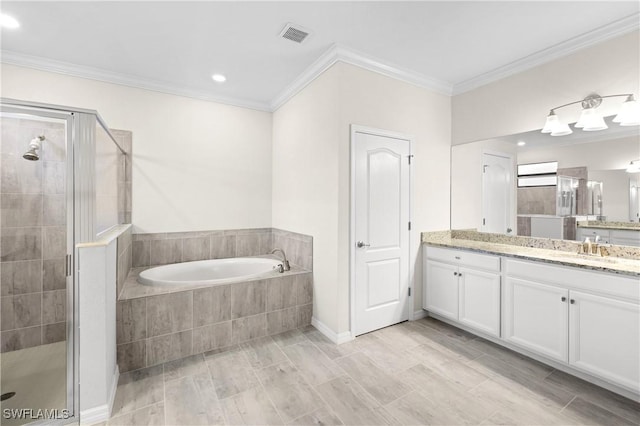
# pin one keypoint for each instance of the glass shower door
(37, 350)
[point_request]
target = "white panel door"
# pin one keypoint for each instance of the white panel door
(381, 214)
(604, 338)
(441, 290)
(536, 317)
(634, 199)
(497, 190)
(479, 300)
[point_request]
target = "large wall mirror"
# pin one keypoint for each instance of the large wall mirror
(534, 184)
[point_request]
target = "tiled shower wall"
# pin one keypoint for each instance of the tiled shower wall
(175, 247)
(542, 199)
(125, 240)
(33, 236)
(125, 259)
(124, 139)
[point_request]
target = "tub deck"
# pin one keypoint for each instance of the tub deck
(132, 289)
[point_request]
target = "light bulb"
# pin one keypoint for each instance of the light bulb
(629, 114)
(561, 129)
(551, 123)
(634, 167)
(7, 21)
(590, 120)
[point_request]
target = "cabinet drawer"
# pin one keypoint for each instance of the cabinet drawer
(464, 258)
(576, 278)
(626, 235)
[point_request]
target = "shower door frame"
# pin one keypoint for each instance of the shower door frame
(19, 108)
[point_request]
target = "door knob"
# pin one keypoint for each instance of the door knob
(361, 244)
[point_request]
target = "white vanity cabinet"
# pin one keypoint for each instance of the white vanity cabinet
(589, 320)
(623, 237)
(619, 237)
(575, 319)
(463, 287)
(604, 338)
(536, 317)
(441, 292)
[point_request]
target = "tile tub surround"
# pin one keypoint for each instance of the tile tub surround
(32, 236)
(176, 247)
(153, 329)
(624, 260)
(125, 259)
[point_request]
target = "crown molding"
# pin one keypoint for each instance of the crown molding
(335, 54)
(66, 68)
(565, 48)
(338, 53)
(313, 71)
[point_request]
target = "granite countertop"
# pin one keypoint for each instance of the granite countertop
(623, 226)
(132, 289)
(559, 256)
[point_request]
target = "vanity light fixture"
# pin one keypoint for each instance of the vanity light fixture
(590, 119)
(634, 167)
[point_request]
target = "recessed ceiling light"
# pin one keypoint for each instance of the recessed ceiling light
(522, 143)
(219, 78)
(7, 21)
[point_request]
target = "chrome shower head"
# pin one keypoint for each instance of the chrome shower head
(31, 155)
(34, 146)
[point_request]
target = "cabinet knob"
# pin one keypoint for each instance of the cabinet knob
(564, 299)
(459, 274)
(455, 273)
(572, 301)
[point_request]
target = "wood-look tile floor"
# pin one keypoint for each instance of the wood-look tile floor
(422, 372)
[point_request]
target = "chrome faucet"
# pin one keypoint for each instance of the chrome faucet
(285, 263)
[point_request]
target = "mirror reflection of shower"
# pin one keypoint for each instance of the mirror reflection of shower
(34, 146)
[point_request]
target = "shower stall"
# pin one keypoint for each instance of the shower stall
(59, 186)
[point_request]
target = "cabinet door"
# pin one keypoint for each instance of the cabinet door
(479, 305)
(536, 317)
(441, 289)
(604, 338)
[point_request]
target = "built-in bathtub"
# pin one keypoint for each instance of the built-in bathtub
(209, 272)
(174, 311)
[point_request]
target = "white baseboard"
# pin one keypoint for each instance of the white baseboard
(114, 388)
(102, 413)
(336, 338)
(420, 314)
(95, 415)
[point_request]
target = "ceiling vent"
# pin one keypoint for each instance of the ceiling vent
(294, 33)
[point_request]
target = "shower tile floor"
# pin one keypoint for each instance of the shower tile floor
(422, 372)
(37, 375)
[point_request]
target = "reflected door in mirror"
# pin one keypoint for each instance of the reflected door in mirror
(497, 187)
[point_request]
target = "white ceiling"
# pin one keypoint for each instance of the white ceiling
(178, 45)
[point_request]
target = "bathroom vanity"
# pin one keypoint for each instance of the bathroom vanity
(578, 313)
(618, 233)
